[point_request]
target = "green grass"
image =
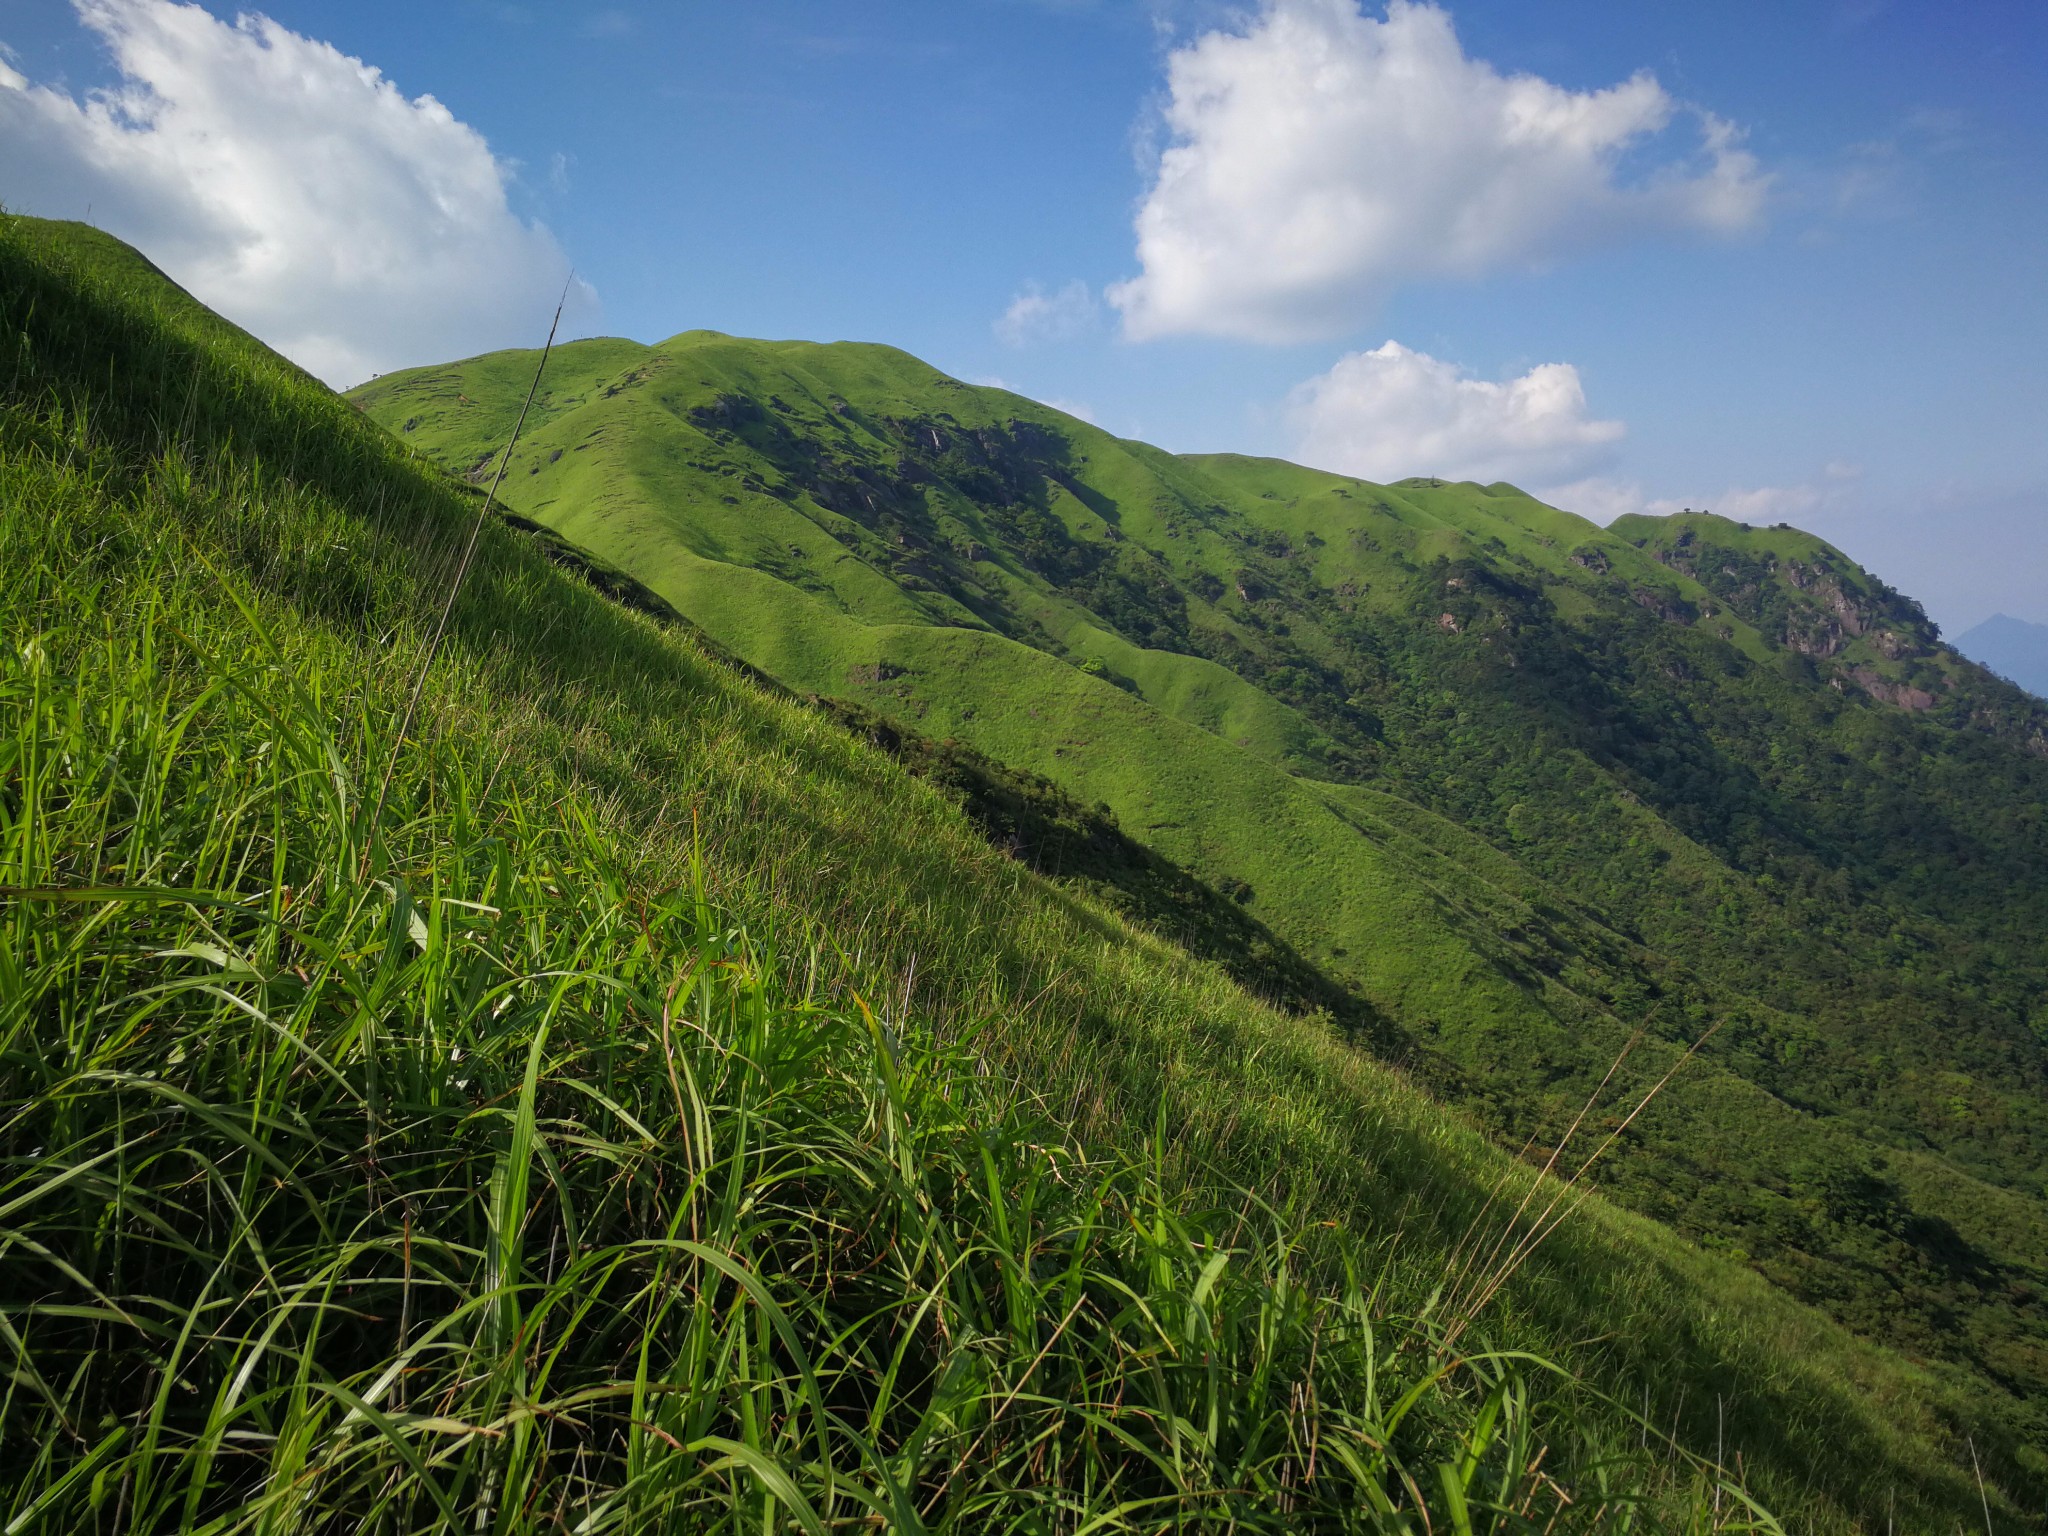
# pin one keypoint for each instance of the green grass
(663, 1111)
(1525, 786)
(448, 1172)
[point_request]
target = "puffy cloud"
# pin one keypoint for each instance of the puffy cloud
(1807, 504)
(289, 186)
(1318, 157)
(1035, 315)
(1764, 503)
(1600, 498)
(1603, 499)
(1391, 412)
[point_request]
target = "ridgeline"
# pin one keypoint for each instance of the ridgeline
(1540, 795)
(634, 1096)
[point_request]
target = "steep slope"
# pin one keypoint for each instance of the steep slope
(1546, 795)
(2013, 648)
(360, 1088)
(282, 1054)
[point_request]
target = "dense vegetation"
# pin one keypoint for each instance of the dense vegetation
(623, 1099)
(1537, 794)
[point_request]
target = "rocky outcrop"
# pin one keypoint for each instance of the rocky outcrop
(1668, 606)
(1811, 635)
(1591, 558)
(1903, 695)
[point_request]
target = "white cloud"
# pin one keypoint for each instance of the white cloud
(1035, 315)
(1072, 408)
(1765, 503)
(291, 187)
(1391, 412)
(1318, 158)
(1603, 500)
(1598, 497)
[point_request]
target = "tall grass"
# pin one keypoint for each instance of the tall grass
(659, 1113)
(502, 1191)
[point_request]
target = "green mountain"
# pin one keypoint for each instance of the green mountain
(474, 1056)
(1543, 797)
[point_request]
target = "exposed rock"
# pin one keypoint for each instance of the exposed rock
(1668, 606)
(1902, 695)
(1844, 607)
(727, 410)
(1811, 636)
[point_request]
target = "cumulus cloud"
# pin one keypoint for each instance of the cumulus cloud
(1035, 315)
(289, 186)
(1392, 412)
(1603, 499)
(1317, 157)
(1600, 498)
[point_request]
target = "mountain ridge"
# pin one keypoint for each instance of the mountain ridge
(459, 997)
(1171, 634)
(228, 586)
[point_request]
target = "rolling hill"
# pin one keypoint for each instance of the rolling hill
(1542, 796)
(476, 1055)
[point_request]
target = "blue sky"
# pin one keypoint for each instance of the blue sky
(1798, 273)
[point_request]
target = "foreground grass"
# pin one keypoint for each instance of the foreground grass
(459, 1179)
(625, 1121)
(1522, 839)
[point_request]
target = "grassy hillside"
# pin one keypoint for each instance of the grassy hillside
(1539, 794)
(626, 1097)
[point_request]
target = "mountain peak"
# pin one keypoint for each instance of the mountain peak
(2015, 649)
